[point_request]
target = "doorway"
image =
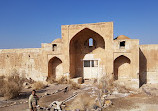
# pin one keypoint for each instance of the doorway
(90, 69)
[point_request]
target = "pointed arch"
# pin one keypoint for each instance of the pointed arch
(79, 47)
(90, 34)
(121, 67)
(55, 68)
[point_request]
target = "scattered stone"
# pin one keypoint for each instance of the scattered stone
(105, 96)
(55, 83)
(95, 107)
(56, 105)
(46, 94)
(107, 103)
(77, 80)
(65, 90)
(28, 87)
(150, 89)
(115, 91)
(25, 84)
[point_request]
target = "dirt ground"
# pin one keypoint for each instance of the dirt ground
(133, 102)
(138, 102)
(22, 105)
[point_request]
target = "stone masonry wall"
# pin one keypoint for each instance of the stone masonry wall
(149, 63)
(25, 62)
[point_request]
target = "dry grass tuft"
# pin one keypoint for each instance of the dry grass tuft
(74, 85)
(38, 85)
(2, 77)
(121, 88)
(106, 83)
(1, 85)
(10, 86)
(51, 80)
(63, 80)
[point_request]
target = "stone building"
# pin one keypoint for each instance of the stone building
(88, 51)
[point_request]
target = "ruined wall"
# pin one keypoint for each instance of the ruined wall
(131, 51)
(80, 51)
(129, 69)
(105, 30)
(55, 59)
(25, 62)
(70, 51)
(34, 62)
(148, 64)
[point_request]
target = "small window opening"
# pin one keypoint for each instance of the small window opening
(90, 63)
(122, 44)
(54, 46)
(95, 63)
(87, 63)
(91, 42)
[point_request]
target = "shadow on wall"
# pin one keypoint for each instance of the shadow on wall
(142, 68)
(54, 67)
(80, 45)
(118, 62)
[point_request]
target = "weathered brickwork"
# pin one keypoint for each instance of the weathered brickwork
(88, 51)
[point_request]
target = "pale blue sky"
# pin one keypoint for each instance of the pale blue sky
(28, 23)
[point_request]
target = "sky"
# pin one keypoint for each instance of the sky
(28, 23)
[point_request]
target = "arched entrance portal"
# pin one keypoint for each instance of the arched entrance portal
(85, 48)
(122, 67)
(55, 69)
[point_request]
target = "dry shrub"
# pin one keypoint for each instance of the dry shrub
(106, 83)
(38, 85)
(16, 79)
(2, 77)
(51, 80)
(63, 80)
(11, 86)
(31, 81)
(1, 85)
(74, 85)
(121, 88)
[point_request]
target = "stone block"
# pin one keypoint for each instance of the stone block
(77, 80)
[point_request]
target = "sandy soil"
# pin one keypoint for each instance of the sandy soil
(139, 102)
(21, 104)
(135, 102)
